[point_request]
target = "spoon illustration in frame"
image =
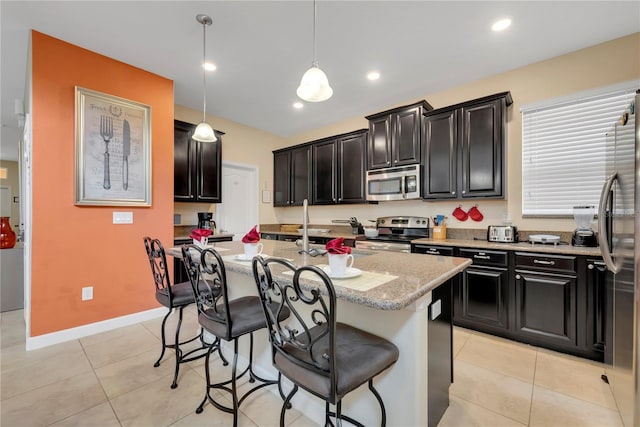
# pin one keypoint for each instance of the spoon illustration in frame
(126, 151)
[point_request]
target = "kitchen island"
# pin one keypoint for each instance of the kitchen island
(393, 299)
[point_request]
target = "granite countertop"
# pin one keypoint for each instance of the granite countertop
(521, 246)
(331, 234)
(415, 274)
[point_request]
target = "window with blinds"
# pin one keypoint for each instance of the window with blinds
(563, 149)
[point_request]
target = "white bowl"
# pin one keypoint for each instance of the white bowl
(371, 232)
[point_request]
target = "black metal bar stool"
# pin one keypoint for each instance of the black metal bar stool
(177, 296)
(227, 320)
(325, 358)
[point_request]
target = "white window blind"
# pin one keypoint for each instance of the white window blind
(563, 149)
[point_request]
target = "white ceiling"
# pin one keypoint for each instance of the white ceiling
(262, 48)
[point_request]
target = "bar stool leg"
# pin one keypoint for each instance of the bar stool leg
(177, 348)
(164, 340)
(286, 404)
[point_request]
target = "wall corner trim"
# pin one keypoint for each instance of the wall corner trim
(34, 343)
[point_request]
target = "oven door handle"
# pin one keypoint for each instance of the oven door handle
(402, 186)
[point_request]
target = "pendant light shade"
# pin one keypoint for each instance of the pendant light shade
(314, 86)
(204, 132)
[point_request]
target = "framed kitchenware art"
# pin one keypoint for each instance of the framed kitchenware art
(113, 150)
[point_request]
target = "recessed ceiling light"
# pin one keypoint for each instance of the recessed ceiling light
(373, 75)
(209, 66)
(298, 105)
(501, 24)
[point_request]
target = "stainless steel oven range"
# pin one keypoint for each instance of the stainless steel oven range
(396, 233)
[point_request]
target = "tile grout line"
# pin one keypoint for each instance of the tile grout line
(533, 387)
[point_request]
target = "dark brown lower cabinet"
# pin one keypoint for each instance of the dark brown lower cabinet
(546, 308)
(483, 297)
(553, 301)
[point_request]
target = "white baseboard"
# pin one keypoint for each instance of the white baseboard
(45, 340)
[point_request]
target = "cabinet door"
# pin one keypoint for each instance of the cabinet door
(325, 163)
(300, 175)
(282, 178)
(208, 164)
(379, 147)
(352, 169)
(484, 298)
(546, 308)
(481, 150)
(405, 137)
(183, 165)
(440, 160)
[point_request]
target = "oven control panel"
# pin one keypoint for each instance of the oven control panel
(403, 222)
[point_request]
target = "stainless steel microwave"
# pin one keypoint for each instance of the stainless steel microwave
(400, 183)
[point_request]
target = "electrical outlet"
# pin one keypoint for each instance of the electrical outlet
(87, 293)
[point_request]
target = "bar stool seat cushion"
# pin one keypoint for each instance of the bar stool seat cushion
(359, 356)
(246, 316)
(182, 294)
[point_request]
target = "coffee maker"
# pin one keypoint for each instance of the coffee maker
(584, 234)
(205, 221)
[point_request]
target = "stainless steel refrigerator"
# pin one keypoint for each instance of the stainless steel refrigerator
(619, 230)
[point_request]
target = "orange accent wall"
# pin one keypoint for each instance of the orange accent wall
(76, 246)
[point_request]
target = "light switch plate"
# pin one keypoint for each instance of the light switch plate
(123, 217)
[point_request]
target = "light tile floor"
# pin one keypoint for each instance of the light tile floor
(108, 379)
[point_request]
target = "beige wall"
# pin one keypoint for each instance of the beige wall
(601, 65)
(13, 181)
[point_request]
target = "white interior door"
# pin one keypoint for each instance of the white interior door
(238, 211)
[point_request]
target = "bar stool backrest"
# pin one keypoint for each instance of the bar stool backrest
(309, 339)
(158, 262)
(208, 278)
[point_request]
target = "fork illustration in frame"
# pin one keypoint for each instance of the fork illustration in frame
(106, 132)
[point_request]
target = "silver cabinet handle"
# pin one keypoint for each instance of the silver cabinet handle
(590, 266)
(453, 192)
(464, 191)
(482, 256)
(539, 261)
(402, 185)
(518, 276)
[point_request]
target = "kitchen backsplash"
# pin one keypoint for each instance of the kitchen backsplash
(189, 212)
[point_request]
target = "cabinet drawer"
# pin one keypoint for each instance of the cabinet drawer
(547, 262)
(432, 250)
(491, 258)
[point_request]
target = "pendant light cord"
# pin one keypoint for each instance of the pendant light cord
(204, 71)
(315, 62)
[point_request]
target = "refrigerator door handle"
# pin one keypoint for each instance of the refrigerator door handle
(603, 238)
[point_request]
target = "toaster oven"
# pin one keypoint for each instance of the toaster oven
(502, 233)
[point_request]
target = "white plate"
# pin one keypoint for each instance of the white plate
(243, 257)
(544, 238)
(315, 230)
(350, 273)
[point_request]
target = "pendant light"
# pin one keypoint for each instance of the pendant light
(204, 132)
(314, 86)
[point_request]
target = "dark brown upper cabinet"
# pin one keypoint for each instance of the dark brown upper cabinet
(464, 149)
(196, 166)
(292, 176)
(395, 136)
(339, 169)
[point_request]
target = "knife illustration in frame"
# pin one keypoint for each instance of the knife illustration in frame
(126, 151)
